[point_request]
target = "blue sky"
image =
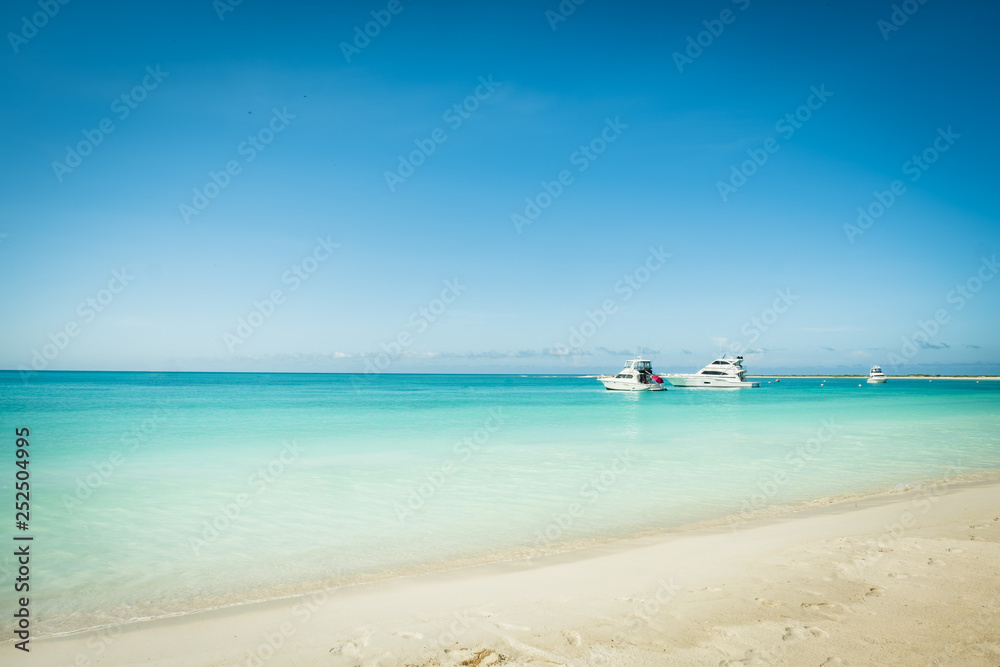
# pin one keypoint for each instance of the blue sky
(439, 270)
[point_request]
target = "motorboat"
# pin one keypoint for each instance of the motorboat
(876, 376)
(725, 373)
(636, 376)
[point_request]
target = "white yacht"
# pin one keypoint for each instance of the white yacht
(876, 376)
(636, 376)
(720, 373)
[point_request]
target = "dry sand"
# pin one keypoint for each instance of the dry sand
(909, 579)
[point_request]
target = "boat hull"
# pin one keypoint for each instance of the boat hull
(614, 384)
(876, 380)
(701, 382)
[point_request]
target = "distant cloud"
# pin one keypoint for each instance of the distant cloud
(974, 347)
(828, 349)
(626, 353)
(511, 354)
(312, 357)
(686, 351)
(923, 345)
(421, 354)
(828, 329)
(552, 352)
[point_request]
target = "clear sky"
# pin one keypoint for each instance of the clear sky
(458, 189)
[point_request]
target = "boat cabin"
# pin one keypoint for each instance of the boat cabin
(633, 366)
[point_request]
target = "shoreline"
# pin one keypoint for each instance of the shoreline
(791, 522)
(731, 521)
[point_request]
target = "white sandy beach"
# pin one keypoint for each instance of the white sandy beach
(910, 578)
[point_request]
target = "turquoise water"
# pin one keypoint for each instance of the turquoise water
(162, 493)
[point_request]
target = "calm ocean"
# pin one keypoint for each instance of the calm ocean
(163, 493)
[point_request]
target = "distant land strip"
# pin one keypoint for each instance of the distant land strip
(898, 377)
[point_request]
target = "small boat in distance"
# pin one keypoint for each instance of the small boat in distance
(636, 376)
(721, 373)
(876, 376)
